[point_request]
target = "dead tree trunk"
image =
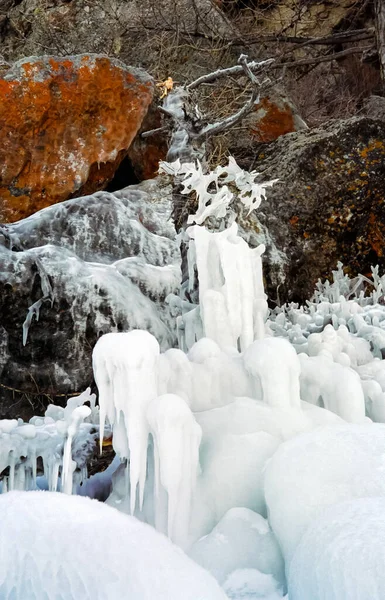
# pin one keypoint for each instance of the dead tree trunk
(379, 11)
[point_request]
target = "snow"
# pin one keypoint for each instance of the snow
(342, 554)
(56, 546)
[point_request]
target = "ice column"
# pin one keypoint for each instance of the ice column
(177, 437)
(126, 373)
(233, 304)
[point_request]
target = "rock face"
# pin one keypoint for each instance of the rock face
(328, 206)
(72, 272)
(65, 125)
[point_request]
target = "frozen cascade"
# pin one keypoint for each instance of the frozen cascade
(62, 439)
(126, 373)
(176, 434)
(232, 302)
(241, 441)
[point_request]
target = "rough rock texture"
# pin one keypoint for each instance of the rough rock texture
(65, 125)
(315, 18)
(90, 265)
(328, 206)
(135, 30)
(274, 115)
(374, 107)
(145, 153)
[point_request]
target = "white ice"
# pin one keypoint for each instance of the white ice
(342, 554)
(318, 469)
(241, 540)
(126, 373)
(72, 548)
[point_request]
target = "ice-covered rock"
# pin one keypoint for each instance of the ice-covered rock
(318, 469)
(342, 554)
(274, 366)
(333, 386)
(241, 540)
(78, 269)
(55, 546)
(251, 584)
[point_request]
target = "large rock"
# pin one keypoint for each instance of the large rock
(87, 266)
(65, 125)
(328, 206)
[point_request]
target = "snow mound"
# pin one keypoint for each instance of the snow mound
(342, 554)
(72, 548)
(321, 468)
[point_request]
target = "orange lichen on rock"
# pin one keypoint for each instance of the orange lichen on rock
(60, 119)
(274, 117)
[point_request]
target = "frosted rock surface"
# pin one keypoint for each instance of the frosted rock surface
(319, 469)
(72, 548)
(342, 554)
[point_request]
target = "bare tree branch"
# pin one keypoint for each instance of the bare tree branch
(320, 59)
(231, 71)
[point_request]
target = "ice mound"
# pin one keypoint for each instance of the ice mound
(250, 584)
(74, 548)
(241, 540)
(321, 468)
(342, 554)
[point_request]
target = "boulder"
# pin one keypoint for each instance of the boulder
(72, 272)
(65, 126)
(328, 205)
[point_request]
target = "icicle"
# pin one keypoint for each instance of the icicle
(33, 311)
(126, 373)
(75, 418)
(177, 438)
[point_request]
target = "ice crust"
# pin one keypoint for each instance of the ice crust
(57, 547)
(241, 540)
(332, 464)
(342, 554)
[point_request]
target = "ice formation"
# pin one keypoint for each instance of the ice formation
(126, 373)
(55, 546)
(215, 202)
(342, 554)
(256, 415)
(318, 469)
(175, 434)
(62, 440)
(241, 540)
(232, 301)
